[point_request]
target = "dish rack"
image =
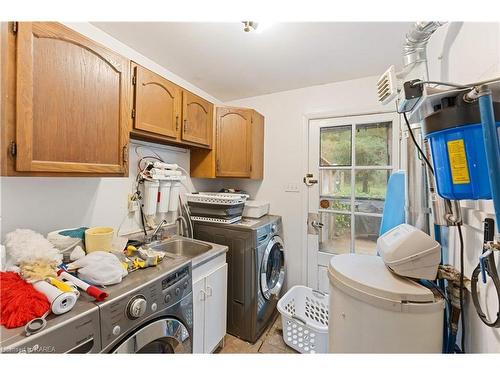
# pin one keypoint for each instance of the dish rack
(216, 219)
(226, 208)
(217, 198)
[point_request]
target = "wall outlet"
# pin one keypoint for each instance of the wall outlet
(292, 187)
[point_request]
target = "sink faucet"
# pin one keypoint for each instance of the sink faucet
(154, 235)
(183, 228)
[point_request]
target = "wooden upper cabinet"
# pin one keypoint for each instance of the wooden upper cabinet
(238, 148)
(234, 142)
(197, 119)
(157, 104)
(72, 103)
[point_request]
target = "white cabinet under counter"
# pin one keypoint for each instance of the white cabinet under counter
(209, 301)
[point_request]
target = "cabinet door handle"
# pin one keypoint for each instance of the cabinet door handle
(185, 125)
(203, 295)
(125, 153)
(209, 291)
(177, 122)
(218, 165)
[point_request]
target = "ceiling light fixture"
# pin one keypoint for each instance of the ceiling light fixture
(249, 26)
(256, 27)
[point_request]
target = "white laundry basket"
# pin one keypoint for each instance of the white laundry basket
(304, 315)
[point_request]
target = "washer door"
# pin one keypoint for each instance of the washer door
(272, 269)
(167, 335)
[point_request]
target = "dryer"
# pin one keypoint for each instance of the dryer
(256, 271)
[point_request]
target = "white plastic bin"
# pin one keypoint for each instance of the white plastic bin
(304, 315)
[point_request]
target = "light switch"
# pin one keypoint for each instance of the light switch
(292, 187)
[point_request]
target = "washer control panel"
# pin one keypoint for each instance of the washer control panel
(120, 315)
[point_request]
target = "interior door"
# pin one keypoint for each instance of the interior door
(72, 104)
(215, 307)
(157, 106)
(199, 297)
(350, 160)
(197, 119)
(234, 142)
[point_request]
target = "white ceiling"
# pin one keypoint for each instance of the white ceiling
(226, 62)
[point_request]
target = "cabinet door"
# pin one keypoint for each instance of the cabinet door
(199, 297)
(257, 163)
(72, 103)
(215, 307)
(197, 119)
(157, 104)
(234, 139)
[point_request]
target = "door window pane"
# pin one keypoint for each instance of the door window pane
(373, 144)
(335, 236)
(335, 204)
(336, 146)
(366, 234)
(335, 189)
(371, 185)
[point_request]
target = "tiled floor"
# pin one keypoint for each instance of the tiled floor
(271, 342)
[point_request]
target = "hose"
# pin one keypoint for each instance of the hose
(461, 291)
(488, 266)
(475, 295)
(424, 158)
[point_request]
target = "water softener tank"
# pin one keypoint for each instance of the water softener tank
(454, 132)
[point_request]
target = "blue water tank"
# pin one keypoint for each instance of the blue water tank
(455, 135)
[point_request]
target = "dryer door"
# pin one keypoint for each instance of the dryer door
(272, 268)
(167, 335)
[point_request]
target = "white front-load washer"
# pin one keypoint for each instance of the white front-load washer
(372, 310)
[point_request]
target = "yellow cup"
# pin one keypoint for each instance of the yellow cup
(98, 239)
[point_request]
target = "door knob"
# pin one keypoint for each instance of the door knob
(309, 180)
(316, 224)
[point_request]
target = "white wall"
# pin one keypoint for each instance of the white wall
(465, 53)
(286, 152)
(47, 203)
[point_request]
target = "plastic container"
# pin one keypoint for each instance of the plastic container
(164, 196)
(98, 239)
(455, 135)
(255, 209)
(373, 310)
(460, 163)
(304, 315)
(150, 197)
(409, 252)
(64, 244)
(174, 197)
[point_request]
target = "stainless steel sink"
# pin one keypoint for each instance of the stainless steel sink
(181, 247)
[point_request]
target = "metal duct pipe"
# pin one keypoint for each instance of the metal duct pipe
(417, 202)
(417, 38)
